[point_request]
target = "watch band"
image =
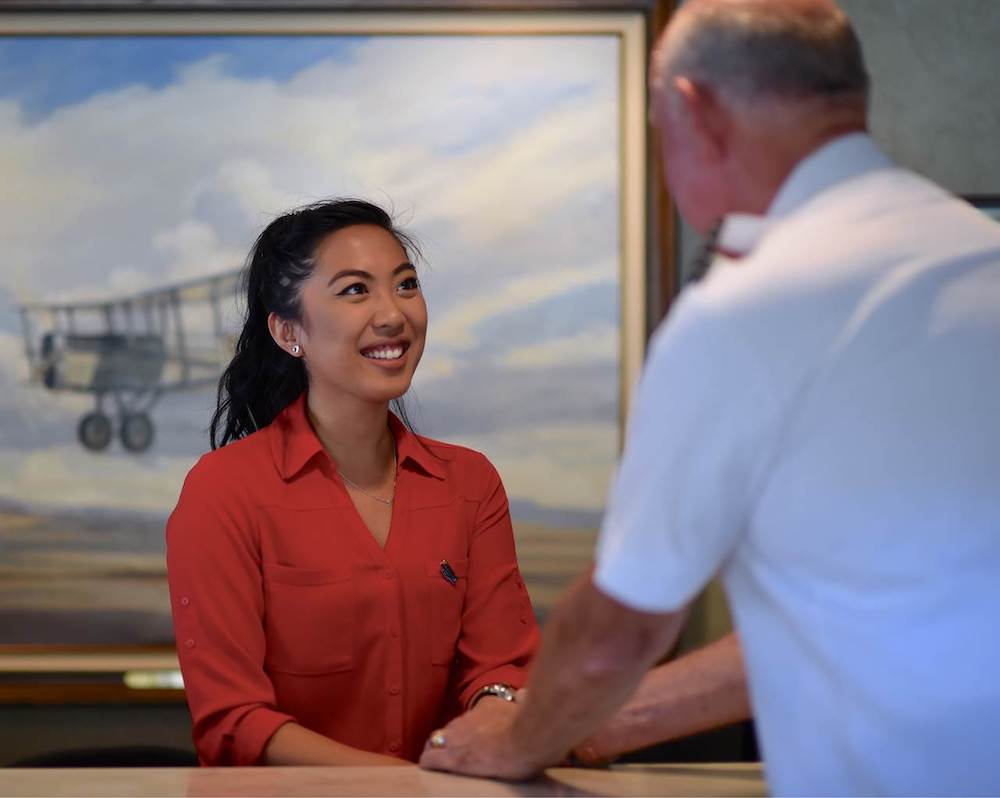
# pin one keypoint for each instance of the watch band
(498, 689)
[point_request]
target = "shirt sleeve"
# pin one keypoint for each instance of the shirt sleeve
(216, 595)
(499, 634)
(698, 439)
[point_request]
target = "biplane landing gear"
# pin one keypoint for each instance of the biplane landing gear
(94, 431)
(135, 427)
(136, 431)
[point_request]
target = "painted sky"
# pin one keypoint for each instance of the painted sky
(131, 162)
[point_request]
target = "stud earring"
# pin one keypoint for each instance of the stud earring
(295, 349)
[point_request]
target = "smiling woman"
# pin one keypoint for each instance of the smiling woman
(340, 586)
(299, 275)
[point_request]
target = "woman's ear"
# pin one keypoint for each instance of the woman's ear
(285, 334)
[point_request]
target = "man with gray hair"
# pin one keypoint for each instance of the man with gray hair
(817, 423)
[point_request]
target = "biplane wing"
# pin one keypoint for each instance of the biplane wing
(133, 349)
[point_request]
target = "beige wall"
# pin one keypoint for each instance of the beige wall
(935, 66)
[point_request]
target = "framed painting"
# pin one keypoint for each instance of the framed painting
(144, 149)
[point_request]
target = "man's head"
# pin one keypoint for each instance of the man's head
(744, 89)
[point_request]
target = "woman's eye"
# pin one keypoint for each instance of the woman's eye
(355, 289)
(409, 284)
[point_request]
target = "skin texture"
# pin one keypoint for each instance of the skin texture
(720, 157)
(349, 397)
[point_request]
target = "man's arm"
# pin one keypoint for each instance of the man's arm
(702, 690)
(594, 652)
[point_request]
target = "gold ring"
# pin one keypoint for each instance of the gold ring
(437, 739)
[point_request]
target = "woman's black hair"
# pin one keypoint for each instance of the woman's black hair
(262, 379)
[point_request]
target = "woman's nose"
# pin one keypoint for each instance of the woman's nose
(388, 314)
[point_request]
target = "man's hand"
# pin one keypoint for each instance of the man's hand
(481, 743)
(594, 652)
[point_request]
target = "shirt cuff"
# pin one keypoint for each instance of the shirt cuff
(254, 732)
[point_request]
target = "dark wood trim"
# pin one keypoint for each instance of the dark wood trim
(649, 7)
(82, 693)
(663, 275)
(30, 649)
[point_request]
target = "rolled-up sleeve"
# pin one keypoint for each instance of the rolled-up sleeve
(499, 634)
(216, 596)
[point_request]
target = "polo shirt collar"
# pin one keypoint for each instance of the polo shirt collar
(294, 443)
(837, 161)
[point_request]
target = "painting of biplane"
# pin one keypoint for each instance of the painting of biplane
(138, 170)
(128, 351)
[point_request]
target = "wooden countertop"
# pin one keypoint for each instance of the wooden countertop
(735, 779)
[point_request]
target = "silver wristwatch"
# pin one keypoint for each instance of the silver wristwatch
(498, 689)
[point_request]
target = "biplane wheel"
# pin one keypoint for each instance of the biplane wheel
(136, 432)
(94, 431)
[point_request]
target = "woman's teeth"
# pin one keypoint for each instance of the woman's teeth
(384, 353)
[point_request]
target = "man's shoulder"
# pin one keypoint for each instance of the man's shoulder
(845, 238)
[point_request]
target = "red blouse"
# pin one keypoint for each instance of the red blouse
(286, 608)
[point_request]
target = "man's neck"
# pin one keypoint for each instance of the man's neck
(764, 158)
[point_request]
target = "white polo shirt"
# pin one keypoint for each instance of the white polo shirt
(819, 422)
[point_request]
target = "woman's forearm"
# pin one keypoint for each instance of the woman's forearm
(703, 690)
(293, 744)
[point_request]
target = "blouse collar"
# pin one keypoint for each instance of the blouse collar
(294, 443)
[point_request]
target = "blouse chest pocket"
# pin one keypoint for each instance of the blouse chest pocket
(308, 619)
(446, 586)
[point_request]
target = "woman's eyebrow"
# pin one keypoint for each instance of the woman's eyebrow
(349, 273)
(362, 274)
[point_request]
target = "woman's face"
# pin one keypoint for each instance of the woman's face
(363, 316)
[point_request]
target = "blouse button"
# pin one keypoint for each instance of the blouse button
(394, 632)
(387, 573)
(189, 643)
(185, 601)
(394, 690)
(394, 746)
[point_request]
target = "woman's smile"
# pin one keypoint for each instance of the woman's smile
(387, 355)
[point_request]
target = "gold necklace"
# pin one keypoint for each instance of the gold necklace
(357, 487)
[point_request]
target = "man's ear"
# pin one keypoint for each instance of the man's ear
(706, 116)
(285, 334)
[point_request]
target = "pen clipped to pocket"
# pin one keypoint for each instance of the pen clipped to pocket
(448, 573)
